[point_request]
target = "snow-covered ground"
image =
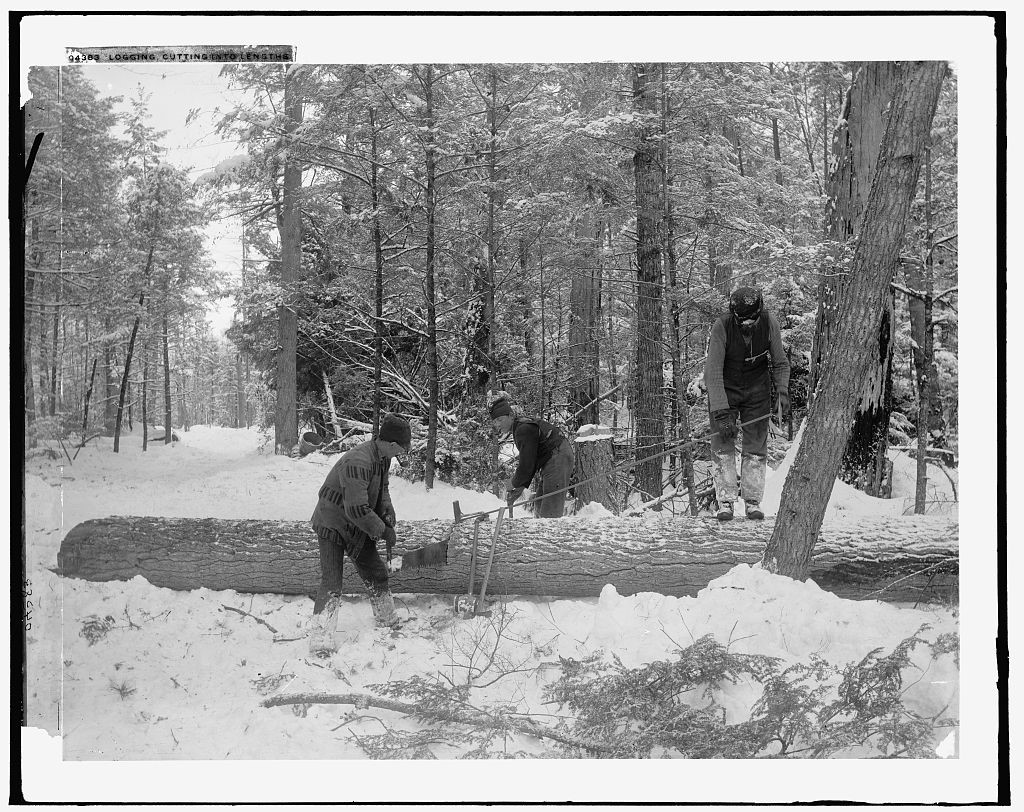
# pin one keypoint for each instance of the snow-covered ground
(125, 671)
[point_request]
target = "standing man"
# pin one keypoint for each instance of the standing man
(353, 512)
(544, 452)
(745, 356)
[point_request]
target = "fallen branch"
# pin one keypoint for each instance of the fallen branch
(530, 728)
(243, 612)
(87, 439)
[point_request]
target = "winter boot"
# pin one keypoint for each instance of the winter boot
(321, 628)
(754, 511)
(383, 604)
(724, 511)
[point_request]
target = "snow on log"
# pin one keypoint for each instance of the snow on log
(895, 559)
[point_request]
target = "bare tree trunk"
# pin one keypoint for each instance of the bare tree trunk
(857, 142)
(167, 376)
(286, 422)
(492, 234)
(109, 395)
(851, 354)
(131, 348)
(648, 373)
(431, 203)
(776, 145)
(584, 293)
(239, 393)
(920, 281)
(542, 299)
(144, 397)
(594, 469)
(378, 264)
(54, 351)
(88, 395)
(30, 285)
(680, 408)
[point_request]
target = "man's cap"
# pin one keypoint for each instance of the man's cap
(746, 302)
(395, 429)
(500, 407)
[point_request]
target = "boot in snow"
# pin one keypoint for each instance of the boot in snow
(383, 604)
(321, 628)
(754, 511)
(724, 512)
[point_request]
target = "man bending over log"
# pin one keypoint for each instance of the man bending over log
(353, 512)
(544, 453)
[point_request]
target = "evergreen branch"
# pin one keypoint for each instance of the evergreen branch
(477, 719)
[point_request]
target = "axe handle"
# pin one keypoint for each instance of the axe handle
(490, 560)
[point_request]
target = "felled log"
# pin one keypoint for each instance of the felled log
(897, 559)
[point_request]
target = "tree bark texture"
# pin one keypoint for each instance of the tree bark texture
(131, 344)
(648, 415)
(433, 373)
(584, 327)
(286, 422)
(165, 338)
(920, 278)
(862, 301)
(886, 558)
(378, 292)
(855, 153)
(594, 464)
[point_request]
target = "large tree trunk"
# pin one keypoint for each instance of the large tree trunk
(595, 461)
(648, 372)
(920, 279)
(433, 373)
(131, 344)
(166, 339)
(857, 141)
(885, 558)
(584, 322)
(378, 287)
(852, 352)
(680, 408)
(286, 424)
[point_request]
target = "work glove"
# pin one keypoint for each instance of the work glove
(724, 422)
(513, 495)
(389, 516)
(390, 539)
(780, 401)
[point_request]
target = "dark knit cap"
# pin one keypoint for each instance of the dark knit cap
(746, 303)
(394, 429)
(500, 407)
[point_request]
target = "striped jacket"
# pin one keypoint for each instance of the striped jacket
(355, 497)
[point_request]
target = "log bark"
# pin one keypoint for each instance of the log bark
(898, 559)
(594, 464)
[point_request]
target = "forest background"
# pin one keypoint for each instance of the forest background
(419, 237)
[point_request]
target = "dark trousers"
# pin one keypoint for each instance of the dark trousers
(333, 549)
(555, 476)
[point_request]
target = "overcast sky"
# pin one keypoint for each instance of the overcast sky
(175, 90)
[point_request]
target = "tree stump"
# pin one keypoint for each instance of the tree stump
(594, 462)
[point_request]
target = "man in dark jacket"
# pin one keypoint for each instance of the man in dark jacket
(544, 452)
(745, 358)
(352, 513)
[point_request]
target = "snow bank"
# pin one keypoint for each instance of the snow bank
(143, 672)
